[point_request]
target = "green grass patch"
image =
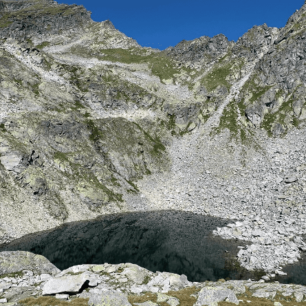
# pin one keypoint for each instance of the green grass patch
(169, 124)
(158, 147)
(229, 120)
(185, 296)
(61, 156)
(13, 275)
(2, 128)
(127, 56)
(35, 89)
(218, 75)
(278, 117)
(96, 133)
(52, 301)
(4, 21)
(78, 105)
(18, 82)
(135, 188)
(146, 280)
(43, 45)
(247, 298)
(217, 78)
(252, 87)
(258, 92)
(160, 64)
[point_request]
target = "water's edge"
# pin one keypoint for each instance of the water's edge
(166, 241)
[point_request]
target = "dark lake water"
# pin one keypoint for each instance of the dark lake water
(296, 273)
(167, 241)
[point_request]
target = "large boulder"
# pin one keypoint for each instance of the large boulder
(212, 295)
(135, 273)
(66, 284)
(18, 261)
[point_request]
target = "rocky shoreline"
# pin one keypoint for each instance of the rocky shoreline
(170, 241)
(29, 279)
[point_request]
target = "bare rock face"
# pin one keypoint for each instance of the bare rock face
(201, 49)
(23, 19)
(277, 83)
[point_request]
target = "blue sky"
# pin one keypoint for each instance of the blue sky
(164, 23)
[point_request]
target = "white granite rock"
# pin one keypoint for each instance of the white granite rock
(210, 296)
(65, 284)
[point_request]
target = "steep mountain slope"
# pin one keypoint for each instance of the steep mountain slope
(92, 123)
(274, 95)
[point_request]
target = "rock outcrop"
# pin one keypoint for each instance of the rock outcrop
(25, 19)
(116, 285)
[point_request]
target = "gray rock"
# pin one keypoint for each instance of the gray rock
(172, 301)
(45, 277)
(135, 273)
(17, 261)
(299, 296)
(212, 295)
(262, 293)
(65, 284)
(290, 179)
(34, 25)
(203, 48)
(11, 161)
(62, 296)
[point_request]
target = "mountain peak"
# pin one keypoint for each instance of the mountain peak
(107, 24)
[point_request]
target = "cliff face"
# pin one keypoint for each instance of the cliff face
(274, 95)
(92, 123)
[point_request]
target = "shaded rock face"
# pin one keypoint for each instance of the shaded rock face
(24, 19)
(170, 241)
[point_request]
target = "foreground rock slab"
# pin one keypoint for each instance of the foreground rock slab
(65, 284)
(129, 285)
(212, 295)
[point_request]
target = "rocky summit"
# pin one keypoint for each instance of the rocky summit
(93, 124)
